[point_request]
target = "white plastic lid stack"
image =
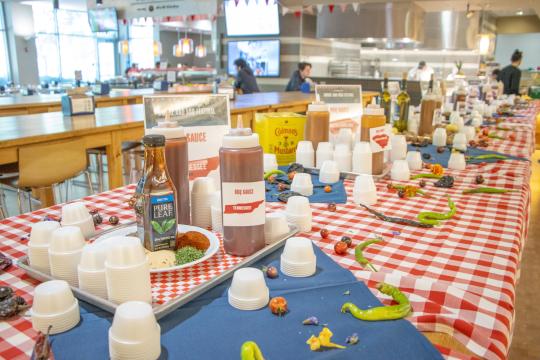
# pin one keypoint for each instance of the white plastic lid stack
(373, 109)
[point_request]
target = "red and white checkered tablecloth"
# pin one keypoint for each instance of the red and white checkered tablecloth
(460, 277)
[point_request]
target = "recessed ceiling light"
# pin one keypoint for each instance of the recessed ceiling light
(519, 12)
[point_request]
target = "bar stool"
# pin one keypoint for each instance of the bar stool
(50, 164)
(8, 175)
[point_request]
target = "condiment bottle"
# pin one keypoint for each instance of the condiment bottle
(176, 156)
(373, 117)
(158, 198)
(317, 127)
(386, 100)
(427, 110)
(242, 192)
(401, 114)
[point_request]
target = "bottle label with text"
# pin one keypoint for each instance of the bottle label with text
(243, 203)
(163, 221)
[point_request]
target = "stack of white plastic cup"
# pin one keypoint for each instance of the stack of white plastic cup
(439, 137)
(469, 131)
(400, 171)
(325, 151)
(342, 156)
(460, 142)
(201, 195)
(54, 305)
(362, 158)
(91, 269)
(275, 227)
(270, 162)
(399, 147)
(345, 137)
(454, 116)
(305, 154)
(329, 172)
(414, 160)
(302, 184)
(477, 121)
(217, 212)
(134, 333)
(459, 122)
(248, 289)
(298, 258)
(364, 191)
(299, 213)
(127, 271)
(65, 252)
(38, 245)
(456, 161)
(76, 214)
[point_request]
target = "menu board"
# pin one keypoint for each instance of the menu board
(205, 118)
(344, 104)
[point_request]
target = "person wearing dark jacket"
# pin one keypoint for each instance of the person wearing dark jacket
(299, 77)
(245, 80)
(511, 75)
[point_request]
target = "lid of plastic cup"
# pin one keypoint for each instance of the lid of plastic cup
(317, 106)
(240, 137)
(169, 129)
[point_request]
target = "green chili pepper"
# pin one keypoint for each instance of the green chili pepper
(273, 172)
(503, 128)
(495, 136)
(486, 190)
(360, 256)
(250, 351)
(487, 156)
(382, 312)
(428, 176)
(432, 218)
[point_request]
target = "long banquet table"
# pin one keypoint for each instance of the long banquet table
(460, 277)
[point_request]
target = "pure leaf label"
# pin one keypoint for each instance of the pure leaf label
(163, 221)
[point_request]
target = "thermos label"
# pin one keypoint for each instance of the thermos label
(243, 203)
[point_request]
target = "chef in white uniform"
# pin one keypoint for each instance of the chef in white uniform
(422, 72)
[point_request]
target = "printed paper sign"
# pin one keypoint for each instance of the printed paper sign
(344, 104)
(379, 138)
(205, 118)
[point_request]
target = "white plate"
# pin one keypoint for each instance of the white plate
(211, 251)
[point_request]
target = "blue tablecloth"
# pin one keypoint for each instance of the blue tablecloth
(443, 158)
(337, 195)
(208, 328)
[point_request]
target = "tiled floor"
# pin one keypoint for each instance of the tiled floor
(526, 340)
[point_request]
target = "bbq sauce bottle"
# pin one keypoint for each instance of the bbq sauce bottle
(242, 192)
(158, 198)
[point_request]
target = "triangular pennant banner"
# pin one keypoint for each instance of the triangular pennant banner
(355, 6)
(319, 8)
(298, 13)
(331, 8)
(247, 2)
(343, 7)
(308, 10)
(284, 10)
(236, 2)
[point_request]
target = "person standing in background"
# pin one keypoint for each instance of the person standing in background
(299, 77)
(422, 72)
(511, 75)
(245, 80)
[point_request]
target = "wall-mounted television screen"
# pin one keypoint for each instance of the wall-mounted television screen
(253, 18)
(103, 19)
(261, 55)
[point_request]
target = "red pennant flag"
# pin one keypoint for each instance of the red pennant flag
(124, 21)
(214, 18)
(343, 7)
(297, 13)
(331, 8)
(168, 18)
(236, 2)
(192, 17)
(266, 2)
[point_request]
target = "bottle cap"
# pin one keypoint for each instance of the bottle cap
(317, 106)
(154, 140)
(169, 129)
(240, 137)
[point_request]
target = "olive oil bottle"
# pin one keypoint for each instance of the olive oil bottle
(386, 100)
(401, 113)
(157, 223)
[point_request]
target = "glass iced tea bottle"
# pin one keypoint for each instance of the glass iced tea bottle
(158, 198)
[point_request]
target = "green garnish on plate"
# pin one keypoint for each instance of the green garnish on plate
(188, 254)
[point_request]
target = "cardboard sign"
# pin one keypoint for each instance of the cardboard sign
(205, 118)
(379, 138)
(129, 9)
(344, 104)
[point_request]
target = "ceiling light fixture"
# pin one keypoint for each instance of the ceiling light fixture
(469, 13)
(123, 47)
(200, 50)
(177, 49)
(186, 44)
(519, 12)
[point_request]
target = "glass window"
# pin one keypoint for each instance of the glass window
(141, 40)
(4, 62)
(65, 44)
